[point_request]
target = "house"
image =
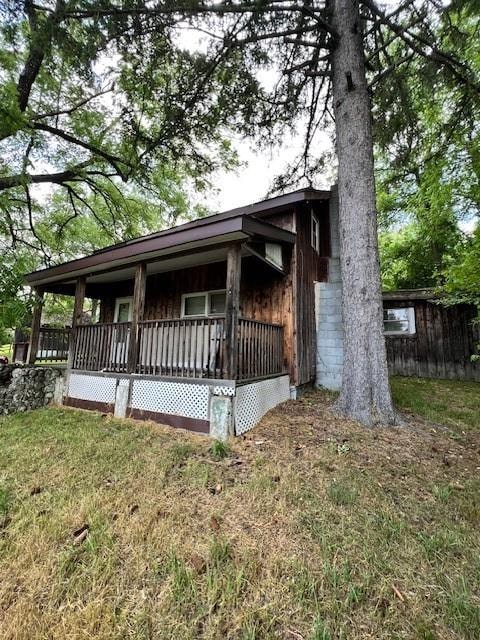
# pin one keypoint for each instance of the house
(428, 339)
(206, 325)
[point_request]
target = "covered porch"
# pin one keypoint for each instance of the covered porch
(214, 315)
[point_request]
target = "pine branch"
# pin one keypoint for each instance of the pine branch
(425, 48)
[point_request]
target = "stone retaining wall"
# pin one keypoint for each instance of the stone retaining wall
(24, 387)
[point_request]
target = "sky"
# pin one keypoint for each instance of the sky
(253, 179)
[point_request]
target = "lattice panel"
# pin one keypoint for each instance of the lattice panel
(223, 391)
(95, 388)
(176, 398)
(254, 400)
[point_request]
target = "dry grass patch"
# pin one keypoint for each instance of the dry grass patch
(309, 528)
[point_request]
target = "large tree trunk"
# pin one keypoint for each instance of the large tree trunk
(365, 394)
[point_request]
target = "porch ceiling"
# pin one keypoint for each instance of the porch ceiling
(177, 250)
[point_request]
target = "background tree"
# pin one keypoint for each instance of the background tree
(330, 56)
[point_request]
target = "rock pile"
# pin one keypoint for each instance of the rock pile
(25, 387)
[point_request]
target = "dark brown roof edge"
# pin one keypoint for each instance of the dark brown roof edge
(411, 294)
(240, 225)
(263, 206)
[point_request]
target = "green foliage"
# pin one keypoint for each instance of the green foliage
(462, 274)
(428, 154)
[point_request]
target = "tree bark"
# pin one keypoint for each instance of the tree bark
(365, 394)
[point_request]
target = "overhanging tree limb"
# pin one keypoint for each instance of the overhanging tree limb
(115, 161)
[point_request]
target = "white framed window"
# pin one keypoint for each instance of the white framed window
(123, 310)
(204, 303)
(315, 233)
(399, 321)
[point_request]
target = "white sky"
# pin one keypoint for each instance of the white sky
(253, 179)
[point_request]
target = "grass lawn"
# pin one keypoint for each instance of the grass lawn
(310, 528)
(6, 350)
(452, 403)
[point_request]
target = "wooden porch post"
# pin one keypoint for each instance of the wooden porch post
(232, 309)
(80, 287)
(36, 321)
(138, 309)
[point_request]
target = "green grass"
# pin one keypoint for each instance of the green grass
(6, 350)
(310, 528)
(452, 403)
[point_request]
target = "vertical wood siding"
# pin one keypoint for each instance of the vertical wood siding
(441, 348)
(264, 295)
(311, 267)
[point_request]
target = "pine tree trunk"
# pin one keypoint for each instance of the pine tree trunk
(365, 394)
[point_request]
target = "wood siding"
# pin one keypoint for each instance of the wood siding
(265, 295)
(442, 345)
(310, 267)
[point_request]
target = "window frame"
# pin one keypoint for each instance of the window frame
(118, 302)
(315, 232)
(412, 329)
(207, 295)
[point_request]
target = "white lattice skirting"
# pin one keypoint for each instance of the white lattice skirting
(92, 388)
(175, 398)
(188, 400)
(253, 400)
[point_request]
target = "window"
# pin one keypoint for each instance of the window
(208, 303)
(123, 310)
(315, 233)
(273, 253)
(400, 321)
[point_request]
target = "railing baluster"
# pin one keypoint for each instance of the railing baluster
(177, 347)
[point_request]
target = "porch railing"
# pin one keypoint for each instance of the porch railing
(260, 349)
(101, 347)
(181, 347)
(53, 344)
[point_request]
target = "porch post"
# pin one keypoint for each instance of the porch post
(36, 320)
(232, 309)
(80, 286)
(138, 309)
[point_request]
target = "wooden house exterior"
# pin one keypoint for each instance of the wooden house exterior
(224, 303)
(427, 339)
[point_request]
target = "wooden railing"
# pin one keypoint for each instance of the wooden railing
(260, 349)
(53, 345)
(181, 347)
(101, 347)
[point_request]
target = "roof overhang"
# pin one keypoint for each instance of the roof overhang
(410, 294)
(169, 249)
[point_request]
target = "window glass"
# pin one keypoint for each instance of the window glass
(217, 303)
(400, 320)
(315, 233)
(195, 305)
(123, 314)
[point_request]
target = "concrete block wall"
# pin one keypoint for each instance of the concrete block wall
(328, 312)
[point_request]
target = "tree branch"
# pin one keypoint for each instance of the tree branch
(424, 48)
(7, 182)
(113, 160)
(40, 40)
